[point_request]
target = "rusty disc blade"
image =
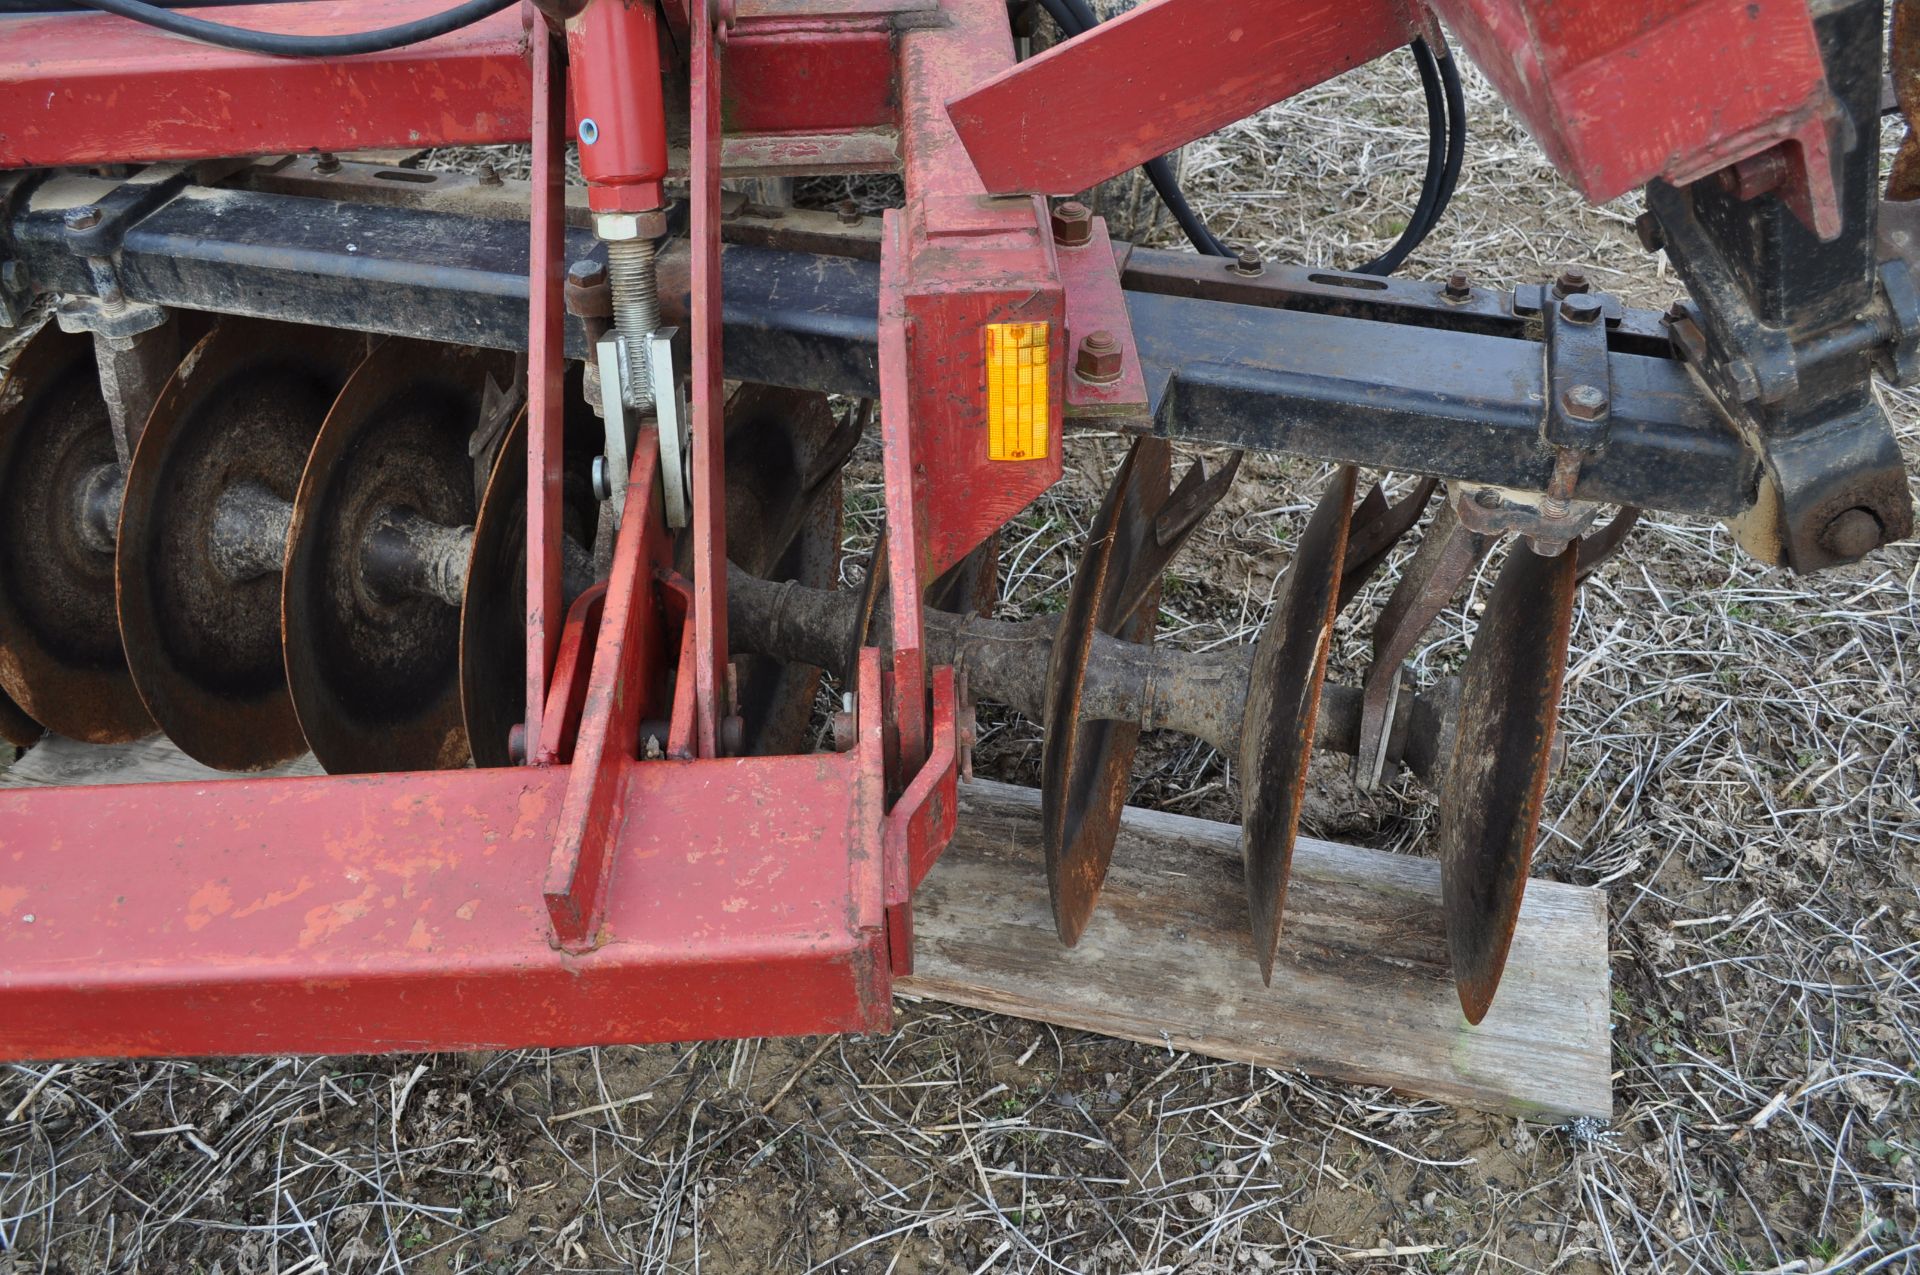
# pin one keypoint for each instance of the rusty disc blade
(970, 586)
(493, 607)
(203, 641)
(1283, 697)
(15, 726)
(1502, 751)
(60, 655)
(1085, 765)
(375, 677)
(785, 450)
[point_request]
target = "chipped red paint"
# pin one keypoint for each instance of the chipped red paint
(567, 695)
(546, 371)
(397, 912)
(712, 694)
(1156, 77)
(1615, 93)
(625, 686)
(90, 88)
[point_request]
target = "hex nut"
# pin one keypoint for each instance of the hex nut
(1099, 360)
(85, 217)
(1072, 223)
(1585, 402)
(1580, 307)
(1459, 286)
(613, 227)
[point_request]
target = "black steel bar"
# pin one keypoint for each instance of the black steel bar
(1420, 400)
(1423, 393)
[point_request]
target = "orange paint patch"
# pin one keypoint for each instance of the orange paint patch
(210, 900)
(330, 918)
(275, 899)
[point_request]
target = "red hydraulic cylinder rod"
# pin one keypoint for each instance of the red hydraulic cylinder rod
(614, 47)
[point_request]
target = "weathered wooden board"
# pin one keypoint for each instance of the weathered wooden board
(56, 761)
(1361, 990)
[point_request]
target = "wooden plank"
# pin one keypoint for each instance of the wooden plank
(56, 761)
(1361, 991)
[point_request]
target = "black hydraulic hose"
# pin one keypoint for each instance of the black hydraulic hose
(1438, 131)
(304, 46)
(1456, 130)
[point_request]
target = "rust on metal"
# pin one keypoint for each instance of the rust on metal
(200, 550)
(374, 673)
(493, 639)
(60, 480)
(1085, 763)
(1903, 65)
(1283, 696)
(1446, 556)
(1491, 797)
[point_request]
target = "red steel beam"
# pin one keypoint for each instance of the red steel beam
(546, 376)
(401, 912)
(713, 700)
(96, 89)
(1155, 78)
(1618, 94)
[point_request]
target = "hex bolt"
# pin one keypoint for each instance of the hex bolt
(1677, 312)
(849, 212)
(1558, 501)
(1853, 533)
(1098, 362)
(85, 217)
(1459, 286)
(489, 175)
(1072, 223)
(1580, 307)
(1570, 282)
(1487, 498)
(326, 163)
(588, 272)
(1585, 402)
(1248, 263)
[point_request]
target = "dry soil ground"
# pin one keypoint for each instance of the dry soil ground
(1742, 776)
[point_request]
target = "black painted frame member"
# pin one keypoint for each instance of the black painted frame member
(1388, 374)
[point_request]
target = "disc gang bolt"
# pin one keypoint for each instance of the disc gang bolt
(1098, 362)
(1072, 224)
(1580, 307)
(1585, 402)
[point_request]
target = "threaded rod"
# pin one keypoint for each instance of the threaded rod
(636, 311)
